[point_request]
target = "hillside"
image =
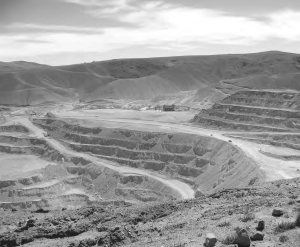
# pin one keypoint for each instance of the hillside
(148, 79)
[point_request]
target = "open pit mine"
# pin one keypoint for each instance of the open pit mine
(151, 152)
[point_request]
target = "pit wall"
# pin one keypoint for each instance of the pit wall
(38, 147)
(203, 162)
(254, 111)
(285, 100)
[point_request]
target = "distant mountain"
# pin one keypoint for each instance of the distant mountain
(205, 77)
(19, 65)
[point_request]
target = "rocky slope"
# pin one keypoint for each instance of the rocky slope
(179, 223)
(254, 111)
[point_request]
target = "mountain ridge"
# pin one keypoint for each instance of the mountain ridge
(147, 78)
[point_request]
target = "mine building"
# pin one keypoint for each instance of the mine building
(168, 107)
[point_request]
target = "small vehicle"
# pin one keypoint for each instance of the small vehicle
(229, 141)
(46, 134)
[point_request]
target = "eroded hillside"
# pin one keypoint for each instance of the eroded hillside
(149, 79)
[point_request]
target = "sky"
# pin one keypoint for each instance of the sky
(58, 32)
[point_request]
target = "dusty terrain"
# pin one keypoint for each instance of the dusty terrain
(86, 160)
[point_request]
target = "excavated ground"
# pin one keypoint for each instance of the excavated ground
(206, 163)
(254, 111)
(36, 175)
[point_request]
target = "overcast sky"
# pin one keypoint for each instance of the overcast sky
(74, 31)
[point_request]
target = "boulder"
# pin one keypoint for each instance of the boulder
(243, 239)
(87, 242)
(260, 225)
(258, 236)
(210, 240)
(277, 212)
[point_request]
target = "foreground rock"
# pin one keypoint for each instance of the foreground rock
(258, 236)
(210, 240)
(243, 239)
(277, 212)
(260, 226)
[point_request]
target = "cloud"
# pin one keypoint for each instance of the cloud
(285, 24)
(36, 41)
(37, 28)
(105, 6)
(154, 24)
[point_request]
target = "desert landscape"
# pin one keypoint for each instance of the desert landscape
(175, 151)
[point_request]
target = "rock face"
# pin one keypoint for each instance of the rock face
(243, 239)
(258, 236)
(210, 240)
(260, 226)
(277, 212)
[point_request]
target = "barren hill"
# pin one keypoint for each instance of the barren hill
(18, 65)
(147, 79)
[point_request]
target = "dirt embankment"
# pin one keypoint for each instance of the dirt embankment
(38, 147)
(14, 128)
(254, 110)
(97, 183)
(284, 100)
(206, 163)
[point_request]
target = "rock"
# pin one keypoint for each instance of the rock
(30, 223)
(115, 228)
(260, 225)
(277, 212)
(258, 236)
(103, 238)
(101, 228)
(42, 210)
(87, 242)
(243, 239)
(210, 240)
